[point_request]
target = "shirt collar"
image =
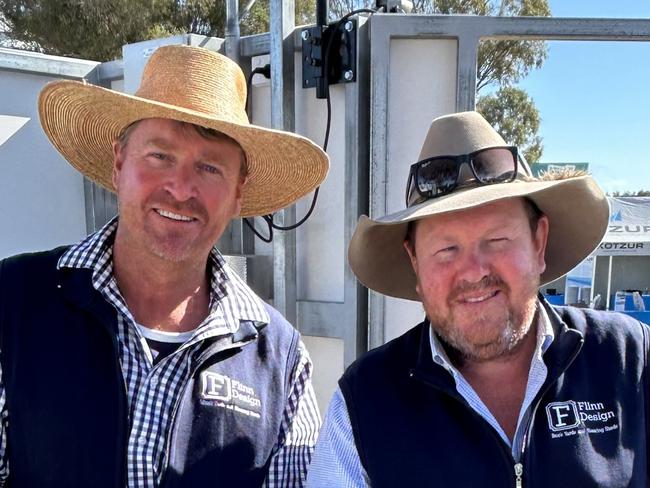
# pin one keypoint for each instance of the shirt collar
(544, 330)
(230, 296)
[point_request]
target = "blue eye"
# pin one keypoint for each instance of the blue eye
(208, 168)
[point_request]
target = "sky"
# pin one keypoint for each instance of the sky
(594, 99)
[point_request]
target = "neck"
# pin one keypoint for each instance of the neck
(160, 294)
(501, 382)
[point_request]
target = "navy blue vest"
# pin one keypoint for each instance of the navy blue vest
(66, 398)
(588, 427)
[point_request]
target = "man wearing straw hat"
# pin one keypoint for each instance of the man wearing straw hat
(137, 357)
(495, 387)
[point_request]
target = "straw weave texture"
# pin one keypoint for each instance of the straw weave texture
(191, 85)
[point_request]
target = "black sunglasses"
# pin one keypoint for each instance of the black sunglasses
(434, 177)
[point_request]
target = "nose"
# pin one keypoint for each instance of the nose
(473, 266)
(182, 183)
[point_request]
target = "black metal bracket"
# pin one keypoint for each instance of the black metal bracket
(342, 58)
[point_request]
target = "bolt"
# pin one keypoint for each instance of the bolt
(349, 25)
(348, 75)
(305, 35)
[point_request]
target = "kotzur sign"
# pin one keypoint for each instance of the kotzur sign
(628, 232)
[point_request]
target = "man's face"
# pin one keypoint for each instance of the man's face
(177, 190)
(478, 274)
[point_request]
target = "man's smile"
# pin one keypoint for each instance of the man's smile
(174, 216)
(478, 298)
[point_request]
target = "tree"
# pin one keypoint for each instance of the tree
(514, 115)
(97, 29)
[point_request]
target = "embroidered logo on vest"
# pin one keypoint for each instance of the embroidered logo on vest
(566, 419)
(221, 391)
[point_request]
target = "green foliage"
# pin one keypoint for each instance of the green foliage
(92, 29)
(97, 29)
(513, 114)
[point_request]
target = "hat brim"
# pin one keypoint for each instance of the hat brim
(83, 120)
(577, 210)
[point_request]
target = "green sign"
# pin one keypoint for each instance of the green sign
(540, 168)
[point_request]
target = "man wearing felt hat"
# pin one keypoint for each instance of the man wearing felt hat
(137, 357)
(496, 387)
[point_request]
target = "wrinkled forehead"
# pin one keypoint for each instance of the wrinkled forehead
(474, 220)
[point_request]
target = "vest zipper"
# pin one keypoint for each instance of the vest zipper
(519, 471)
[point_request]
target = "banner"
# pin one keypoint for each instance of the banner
(628, 232)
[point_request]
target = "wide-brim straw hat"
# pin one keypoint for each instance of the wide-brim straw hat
(188, 84)
(576, 207)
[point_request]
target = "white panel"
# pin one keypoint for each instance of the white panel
(422, 86)
(41, 196)
(321, 249)
(327, 357)
(320, 242)
(401, 315)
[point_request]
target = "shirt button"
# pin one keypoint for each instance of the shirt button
(154, 381)
(142, 440)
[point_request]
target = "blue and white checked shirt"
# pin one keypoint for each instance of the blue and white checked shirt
(336, 460)
(152, 391)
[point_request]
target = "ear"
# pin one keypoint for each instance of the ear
(410, 250)
(118, 160)
(239, 195)
(539, 241)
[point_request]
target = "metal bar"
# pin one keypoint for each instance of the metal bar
(321, 12)
(255, 45)
(380, 62)
(609, 283)
(91, 220)
(109, 71)
(232, 240)
(357, 154)
(282, 117)
(529, 28)
(43, 64)
(593, 281)
(232, 30)
(467, 62)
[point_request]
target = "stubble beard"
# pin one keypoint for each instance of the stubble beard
(516, 320)
(177, 246)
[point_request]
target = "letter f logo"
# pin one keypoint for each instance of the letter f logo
(562, 415)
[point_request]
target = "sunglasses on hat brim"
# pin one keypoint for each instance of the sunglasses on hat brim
(439, 175)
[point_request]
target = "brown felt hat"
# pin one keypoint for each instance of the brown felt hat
(576, 207)
(188, 84)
